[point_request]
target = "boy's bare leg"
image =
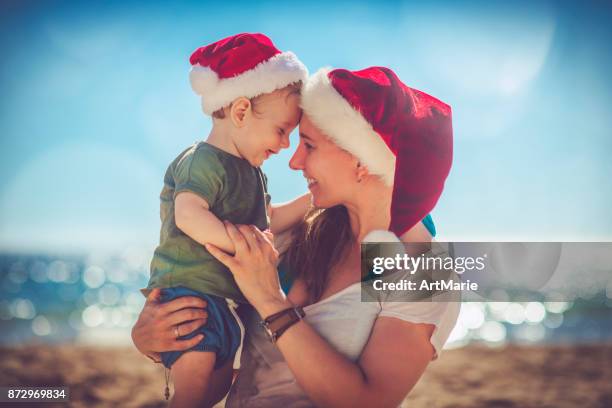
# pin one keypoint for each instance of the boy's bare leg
(195, 382)
(220, 383)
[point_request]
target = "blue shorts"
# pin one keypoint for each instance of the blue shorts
(222, 331)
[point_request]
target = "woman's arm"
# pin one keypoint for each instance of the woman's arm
(387, 369)
(385, 373)
(286, 215)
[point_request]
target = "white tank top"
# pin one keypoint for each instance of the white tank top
(265, 380)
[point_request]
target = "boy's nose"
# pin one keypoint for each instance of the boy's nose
(285, 142)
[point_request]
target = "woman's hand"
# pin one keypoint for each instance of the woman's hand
(160, 324)
(254, 267)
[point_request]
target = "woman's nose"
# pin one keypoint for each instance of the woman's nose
(297, 160)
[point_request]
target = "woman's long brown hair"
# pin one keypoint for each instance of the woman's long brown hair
(319, 243)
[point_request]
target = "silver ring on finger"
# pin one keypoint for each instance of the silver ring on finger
(176, 331)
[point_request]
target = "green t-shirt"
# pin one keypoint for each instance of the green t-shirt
(234, 190)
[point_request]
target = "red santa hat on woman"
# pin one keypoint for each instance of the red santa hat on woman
(241, 65)
(400, 134)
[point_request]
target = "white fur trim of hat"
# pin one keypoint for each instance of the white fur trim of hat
(335, 117)
(275, 73)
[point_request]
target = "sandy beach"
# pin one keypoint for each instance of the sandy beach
(474, 376)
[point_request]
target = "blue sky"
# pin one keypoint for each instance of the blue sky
(96, 102)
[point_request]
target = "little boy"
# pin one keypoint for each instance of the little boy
(251, 90)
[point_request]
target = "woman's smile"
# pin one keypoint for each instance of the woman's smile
(311, 182)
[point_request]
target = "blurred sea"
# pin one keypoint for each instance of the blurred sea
(91, 298)
(95, 299)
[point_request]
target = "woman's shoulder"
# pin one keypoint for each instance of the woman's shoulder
(442, 314)
(348, 309)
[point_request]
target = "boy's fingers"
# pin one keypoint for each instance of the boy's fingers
(221, 256)
(179, 345)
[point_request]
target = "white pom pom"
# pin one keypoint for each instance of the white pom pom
(203, 79)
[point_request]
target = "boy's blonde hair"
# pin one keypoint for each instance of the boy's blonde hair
(294, 88)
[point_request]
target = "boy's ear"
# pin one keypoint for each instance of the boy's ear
(239, 111)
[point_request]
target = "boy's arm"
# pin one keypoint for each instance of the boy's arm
(286, 215)
(192, 216)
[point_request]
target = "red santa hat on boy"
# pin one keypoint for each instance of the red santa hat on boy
(241, 65)
(401, 134)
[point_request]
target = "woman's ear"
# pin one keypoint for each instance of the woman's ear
(239, 111)
(362, 172)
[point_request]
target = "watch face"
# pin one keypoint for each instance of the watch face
(276, 325)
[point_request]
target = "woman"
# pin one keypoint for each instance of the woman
(375, 154)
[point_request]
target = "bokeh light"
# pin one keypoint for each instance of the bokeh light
(41, 326)
(92, 316)
(493, 332)
(535, 312)
(514, 313)
(23, 309)
(94, 277)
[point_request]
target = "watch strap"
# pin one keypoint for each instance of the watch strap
(278, 323)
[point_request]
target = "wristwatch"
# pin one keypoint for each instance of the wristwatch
(278, 323)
